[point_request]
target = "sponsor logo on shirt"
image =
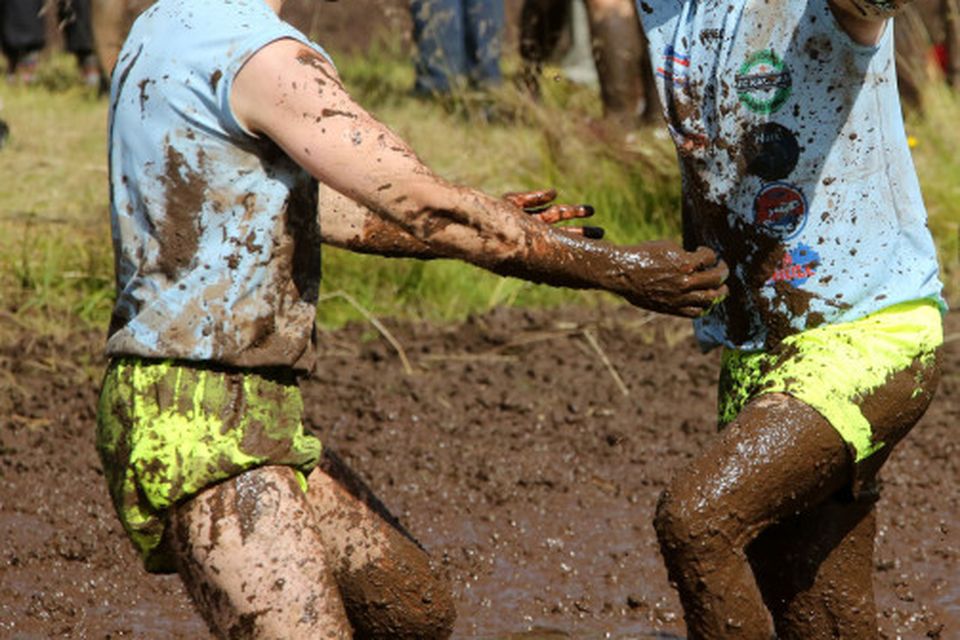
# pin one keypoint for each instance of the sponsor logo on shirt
(780, 208)
(770, 151)
(674, 67)
(764, 83)
(798, 265)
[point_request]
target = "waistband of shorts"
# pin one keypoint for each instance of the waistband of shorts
(923, 314)
(279, 374)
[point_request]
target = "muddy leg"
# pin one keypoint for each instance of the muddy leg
(777, 458)
(541, 27)
(390, 586)
(815, 571)
(618, 52)
(253, 561)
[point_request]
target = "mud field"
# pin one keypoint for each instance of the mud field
(511, 451)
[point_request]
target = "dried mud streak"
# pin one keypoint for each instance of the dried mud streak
(211, 603)
(179, 234)
(248, 501)
(314, 60)
(384, 238)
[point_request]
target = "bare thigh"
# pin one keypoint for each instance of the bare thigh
(253, 561)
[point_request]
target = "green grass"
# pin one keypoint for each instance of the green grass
(937, 139)
(55, 254)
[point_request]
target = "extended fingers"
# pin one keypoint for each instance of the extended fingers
(593, 233)
(531, 199)
(560, 212)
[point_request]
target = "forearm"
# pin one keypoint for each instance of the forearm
(455, 222)
(349, 225)
(531, 251)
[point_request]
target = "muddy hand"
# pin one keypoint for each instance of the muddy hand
(539, 205)
(663, 277)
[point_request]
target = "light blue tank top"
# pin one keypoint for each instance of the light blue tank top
(215, 231)
(795, 164)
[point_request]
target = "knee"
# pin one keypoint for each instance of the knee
(672, 521)
(429, 612)
(688, 524)
(432, 617)
(411, 601)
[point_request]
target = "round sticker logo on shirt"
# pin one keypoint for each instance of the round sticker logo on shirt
(770, 151)
(781, 208)
(764, 83)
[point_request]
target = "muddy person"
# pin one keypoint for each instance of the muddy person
(796, 170)
(223, 120)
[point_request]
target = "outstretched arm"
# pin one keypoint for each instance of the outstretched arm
(864, 20)
(348, 224)
(291, 94)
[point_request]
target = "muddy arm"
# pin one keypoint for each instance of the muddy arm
(864, 20)
(349, 225)
(291, 94)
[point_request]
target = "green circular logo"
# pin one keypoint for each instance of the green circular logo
(764, 83)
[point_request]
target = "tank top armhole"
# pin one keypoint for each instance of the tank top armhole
(225, 85)
(843, 36)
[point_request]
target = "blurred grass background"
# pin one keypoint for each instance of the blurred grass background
(56, 271)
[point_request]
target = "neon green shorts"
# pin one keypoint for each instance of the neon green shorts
(167, 430)
(833, 368)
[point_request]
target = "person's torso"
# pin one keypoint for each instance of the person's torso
(795, 164)
(215, 231)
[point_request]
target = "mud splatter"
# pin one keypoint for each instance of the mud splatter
(312, 59)
(144, 96)
(331, 113)
(179, 231)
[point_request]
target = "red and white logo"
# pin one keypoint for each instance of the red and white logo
(781, 208)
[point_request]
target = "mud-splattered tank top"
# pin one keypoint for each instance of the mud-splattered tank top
(215, 231)
(795, 164)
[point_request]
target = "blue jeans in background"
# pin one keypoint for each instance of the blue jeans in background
(458, 43)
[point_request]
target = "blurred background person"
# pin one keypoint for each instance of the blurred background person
(551, 28)
(22, 36)
(458, 44)
(75, 22)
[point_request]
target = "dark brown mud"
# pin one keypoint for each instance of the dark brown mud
(512, 454)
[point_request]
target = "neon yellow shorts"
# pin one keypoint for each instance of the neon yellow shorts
(834, 367)
(167, 430)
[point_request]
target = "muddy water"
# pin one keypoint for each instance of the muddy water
(511, 454)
